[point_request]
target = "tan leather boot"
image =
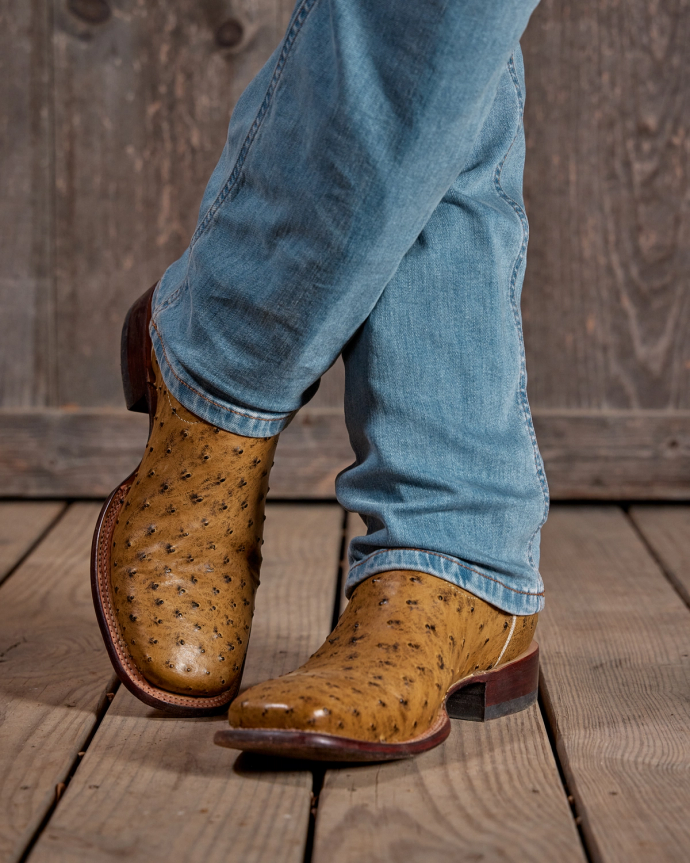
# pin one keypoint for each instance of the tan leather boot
(409, 650)
(177, 554)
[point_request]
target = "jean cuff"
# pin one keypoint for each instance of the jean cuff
(220, 413)
(454, 570)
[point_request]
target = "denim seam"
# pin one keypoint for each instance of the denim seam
(450, 560)
(277, 418)
(513, 301)
(298, 22)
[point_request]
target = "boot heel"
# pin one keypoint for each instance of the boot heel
(135, 354)
(508, 689)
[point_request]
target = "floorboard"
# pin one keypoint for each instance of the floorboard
(54, 675)
(616, 670)
(154, 789)
(21, 525)
(490, 793)
(667, 531)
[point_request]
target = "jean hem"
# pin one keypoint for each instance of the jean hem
(222, 414)
(450, 569)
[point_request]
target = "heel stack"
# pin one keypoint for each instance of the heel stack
(135, 354)
(508, 689)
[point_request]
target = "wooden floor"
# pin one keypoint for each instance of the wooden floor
(600, 770)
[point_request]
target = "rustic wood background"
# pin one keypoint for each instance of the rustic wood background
(113, 113)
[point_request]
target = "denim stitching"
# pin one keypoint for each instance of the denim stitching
(289, 41)
(451, 560)
(513, 301)
(277, 418)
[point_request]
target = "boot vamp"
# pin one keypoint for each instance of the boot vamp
(186, 552)
(384, 671)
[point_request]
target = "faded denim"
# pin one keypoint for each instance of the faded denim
(369, 201)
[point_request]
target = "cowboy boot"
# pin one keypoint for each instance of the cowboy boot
(409, 650)
(177, 547)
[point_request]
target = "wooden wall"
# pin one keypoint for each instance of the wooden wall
(112, 114)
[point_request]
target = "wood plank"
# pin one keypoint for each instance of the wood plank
(588, 454)
(21, 525)
(142, 102)
(26, 204)
(667, 530)
(86, 453)
(616, 642)
(615, 455)
(54, 675)
(491, 792)
(606, 311)
(154, 789)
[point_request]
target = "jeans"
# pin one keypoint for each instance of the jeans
(369, 201)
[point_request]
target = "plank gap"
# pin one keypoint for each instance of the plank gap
(668, 573)
(36, 542)
(568, 792)
(78, 758)
(318, 776)
(342, 569)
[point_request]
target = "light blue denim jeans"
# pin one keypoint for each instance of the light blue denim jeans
(369, 201)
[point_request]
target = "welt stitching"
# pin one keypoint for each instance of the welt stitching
(289, 41)
(206, 398)
(451, 560)
(513, 301)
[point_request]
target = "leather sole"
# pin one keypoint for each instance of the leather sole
(477, 697)
(137, 380)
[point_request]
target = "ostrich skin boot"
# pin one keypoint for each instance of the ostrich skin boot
(404, 654)
(177, 583)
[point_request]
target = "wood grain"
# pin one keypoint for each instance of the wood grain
(616, 672)
(142, 104)
(156, 789)
(615, 455)
(86, 453)
(667, 530)
(54, 675)
(26, 205)
(21, 525)
(606, 300)
(491, 792)
(588, 454)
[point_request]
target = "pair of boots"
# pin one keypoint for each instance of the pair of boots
(175, 569)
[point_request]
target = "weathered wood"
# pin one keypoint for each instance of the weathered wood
(331, 392)
(354, 527)
(86, 453)
(667, 530)
(21, 525)
(154, 789)
(54, 675)
(26, 205)
(143, 99)
(614, 455)
(607, 317)
(491, 792)
(588, 454)
(615, 639)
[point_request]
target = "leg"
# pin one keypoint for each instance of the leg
(450, 482)
(447, 474)
(337, 155)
